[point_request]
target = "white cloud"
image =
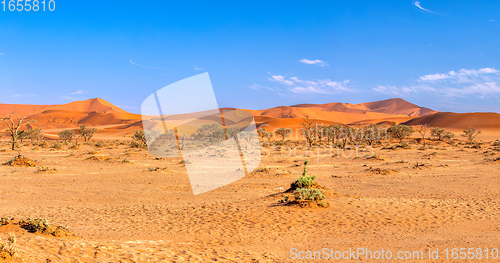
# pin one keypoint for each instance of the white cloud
(433, 77)
(262, 87)
(462, 75)
(1, 54)
(79, 92)
(143, 66)
(281, 79)
(321, 86)
(197, 68)
(314, 62)
(462, 83)
(417, 4)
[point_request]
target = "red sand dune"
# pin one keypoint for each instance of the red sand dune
(459, 120)
(98, 112)
(91, 112)
(391, 106)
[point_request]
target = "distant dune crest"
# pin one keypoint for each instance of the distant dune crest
(98, 112)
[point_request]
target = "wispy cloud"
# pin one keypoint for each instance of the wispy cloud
(462, 75)
(144, 66)
(1, 54)
(318, 62)
(461, 83)
(198, 68)
(419, 6)
(79, 92)
(70, 98)
(322, 86)
(262, 87)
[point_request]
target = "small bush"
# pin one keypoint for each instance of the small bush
(56, 145)
(279, 143)
(404, 146)
(42, 226)
(6, 220)
(305, 196)
(38, 225)
(135, 144)
(21, 160)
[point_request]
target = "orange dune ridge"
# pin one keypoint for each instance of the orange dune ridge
(113, 121)
(480, 120)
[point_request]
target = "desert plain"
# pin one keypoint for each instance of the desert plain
(125, 205)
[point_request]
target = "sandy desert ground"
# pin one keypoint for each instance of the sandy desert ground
(128, 206)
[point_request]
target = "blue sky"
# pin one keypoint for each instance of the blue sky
(259, 54)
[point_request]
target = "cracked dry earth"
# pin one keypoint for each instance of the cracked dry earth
(130, 211)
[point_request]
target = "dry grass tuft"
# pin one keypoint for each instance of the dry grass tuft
(42, 226)
(9, 249)
(382, 171)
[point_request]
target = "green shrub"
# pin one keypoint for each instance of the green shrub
(304, 181)
(304, 196)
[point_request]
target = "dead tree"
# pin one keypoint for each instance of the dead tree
(14, 127)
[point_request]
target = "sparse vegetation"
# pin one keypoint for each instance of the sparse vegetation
(400, 132)
(423, 130)
(140, 136)
(264, 134)
(42, 226)
(305, 190)
(305, 196)
(9, 249)
(441, 134)
(14, 128)
(87, 132)
(470, 134)
(20, 160)
(66, 135)
(6, 220)
(283, 132)
(310, 131)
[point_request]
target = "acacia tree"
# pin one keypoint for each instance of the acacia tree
(471, 134)
(333, 132)
(264, 134)
(400, 131)
(441, 134)
(374, 133)
(66, 135)
(346, 134)
(87, 133)
(35, 134)
(283, 132)
(310, 131)
(14, 127)
(422, 130)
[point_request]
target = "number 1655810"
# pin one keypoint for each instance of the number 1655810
(28, 5)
